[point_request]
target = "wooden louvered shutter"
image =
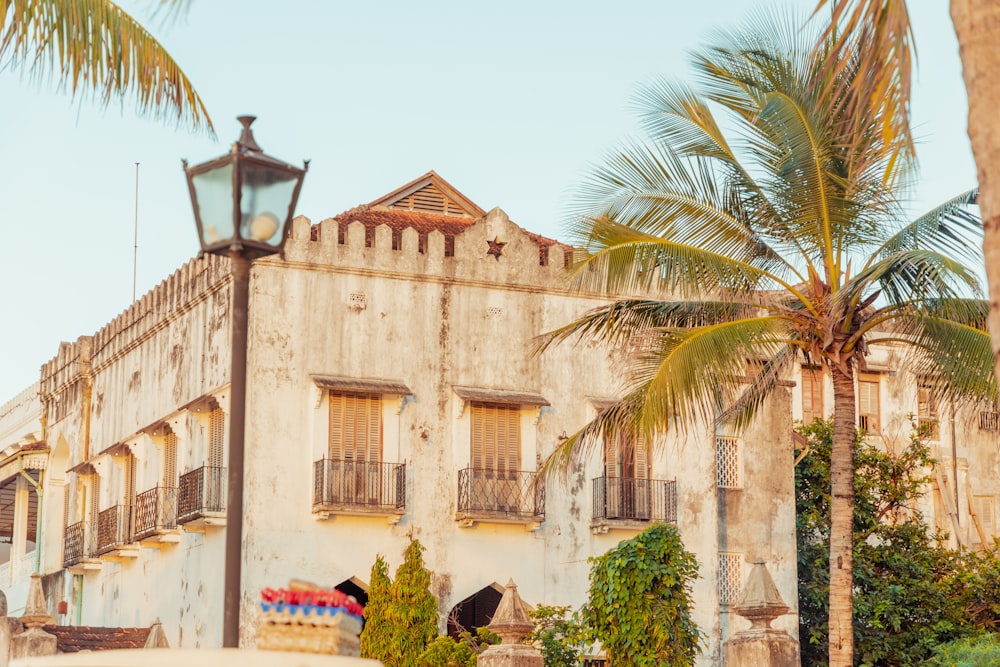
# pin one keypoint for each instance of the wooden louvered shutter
(170, 460)
(641, 459)
(478, 438)
(496, 438)
(812, 395)
(95, 499)
(216, 438)
(612, 456)
(868, 403)
(355, 428)
(130, 480)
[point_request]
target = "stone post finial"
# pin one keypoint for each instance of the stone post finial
(36, 612)
(511, 620)
(157, 638)
(760, 601)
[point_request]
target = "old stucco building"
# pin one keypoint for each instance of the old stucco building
(393, 393)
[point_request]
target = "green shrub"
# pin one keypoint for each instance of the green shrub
(640, 601)
(983, 651)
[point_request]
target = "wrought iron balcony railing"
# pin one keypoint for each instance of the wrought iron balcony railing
(358, 485)
(632, 499)
(200, 493)
(77, 543)
(114, 528)
(512, 495)
(155, 511)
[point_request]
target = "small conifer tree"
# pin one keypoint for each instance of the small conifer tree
(413, 612)
(375, 638)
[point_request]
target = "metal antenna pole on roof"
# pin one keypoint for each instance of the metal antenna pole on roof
(135, 233)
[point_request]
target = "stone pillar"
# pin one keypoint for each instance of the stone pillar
(761, 645)
(5, 632)
(512, 623)
(34, 641)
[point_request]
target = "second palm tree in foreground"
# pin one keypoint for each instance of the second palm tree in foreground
(783, 238)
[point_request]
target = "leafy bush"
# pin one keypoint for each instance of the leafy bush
(558, 636)
(981, 651)
(640, 601)
(911, 592)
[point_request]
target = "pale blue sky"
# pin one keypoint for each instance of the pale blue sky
(508, 101)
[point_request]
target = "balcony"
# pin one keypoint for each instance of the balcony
(156, 516)
(500, 497)
(623, 502)
(359, 488)
(114, 533)
(201, 498)
(79, 551)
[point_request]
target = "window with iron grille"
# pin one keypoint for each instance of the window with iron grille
(989, 421)
(496, 438)
(812, 394)
(728, 463)
(730, 577)
(869, 409)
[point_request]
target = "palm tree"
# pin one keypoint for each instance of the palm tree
(93, 46)
(774, 234)
(886, 24)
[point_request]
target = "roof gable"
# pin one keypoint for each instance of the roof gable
(429, 194)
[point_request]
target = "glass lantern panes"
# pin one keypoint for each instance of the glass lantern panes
(213, 190)
(264, 202)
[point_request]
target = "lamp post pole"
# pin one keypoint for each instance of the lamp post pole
(240, 267)
(243, 205)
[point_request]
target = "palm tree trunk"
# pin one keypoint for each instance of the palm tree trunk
(977, 24)
(842, 521)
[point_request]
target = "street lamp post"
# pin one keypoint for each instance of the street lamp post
(243, 205)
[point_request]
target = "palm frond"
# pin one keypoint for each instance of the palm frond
(880, 32)
(628, 260)
(951, 228)
(692, 373)
(93, 46)
(953, 358)
(616, 324)
(911, 276)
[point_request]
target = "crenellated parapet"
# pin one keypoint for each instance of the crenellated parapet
(178, 293)
(491, 248)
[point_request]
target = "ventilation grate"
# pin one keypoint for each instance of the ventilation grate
(727, 462)
(730, 577)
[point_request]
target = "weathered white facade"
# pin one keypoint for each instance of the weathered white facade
(392, 393)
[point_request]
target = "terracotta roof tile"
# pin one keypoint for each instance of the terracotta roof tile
(74, 638)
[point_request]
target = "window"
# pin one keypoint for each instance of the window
(627, 484)
(496, 438)
(868, 403)
(727, 462)
(170, 460)
(216, 437)
(355, 427)
(812, 394)
(986, 518)
(927, 410)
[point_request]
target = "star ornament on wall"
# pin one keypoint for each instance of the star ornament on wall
(496, 247)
